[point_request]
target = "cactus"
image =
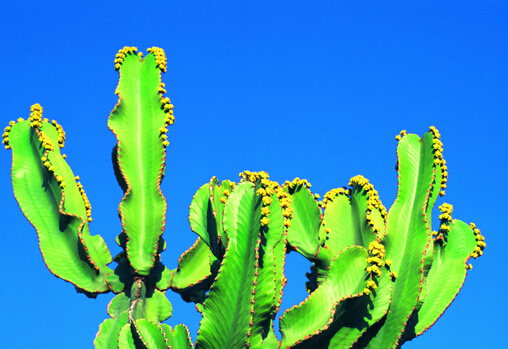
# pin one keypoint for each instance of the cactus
(378, 278)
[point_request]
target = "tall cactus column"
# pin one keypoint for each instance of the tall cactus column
(139, 122)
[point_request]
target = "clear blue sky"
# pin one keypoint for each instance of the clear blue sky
(315, 90)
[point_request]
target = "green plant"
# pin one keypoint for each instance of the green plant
(378, 278)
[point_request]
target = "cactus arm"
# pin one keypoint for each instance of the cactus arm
(219, 194)
(440, 179)
(446, 276)
(166, 277)
(269, 282)
(352, 217)
(206, 212)
(304, 323)
(139, 122)
(56, 205)
(369, 214)
(338, 223)
(279, 254)
(201, 214)
(194, 271)
(227, 309)
(408, 233)
(303, 232)
(196, 267)
(359, 314)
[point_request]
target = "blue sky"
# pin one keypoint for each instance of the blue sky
(317, 91)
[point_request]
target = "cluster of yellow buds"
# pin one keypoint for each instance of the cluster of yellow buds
(446, 219)
(46, 163)
(46, 141)
(332, 194)
(266, 192)
(170, 119)
(168, 108)
(36, 122)
(374, 202)
(5, 135)
(60, 180)
(61, 133)
(438, 158)
(388, 265)
(160, 58)
(446, 214)
(297, 181)
(121, 55)
(480, 242)
(253, 176)
(400, 135)
(35, 115)
(285, 201)
(377, 253)
(88, 206)
(285, 204)
(162, 88)
(227, 192)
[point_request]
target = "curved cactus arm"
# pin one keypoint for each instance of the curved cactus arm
(440, 179)
(243, 287)
(270, 272)
(358, 315)
(369, 214)
(206, 212)
(200, 213)
(279, 259)
(192, 277)
(219, 194)
(338, 223)
(452, 250)
(139, 122)
(307, 324)
(408, 233)
(227, 310)
(352, 217)
(166, 277)
(55, 204)
(303, 233)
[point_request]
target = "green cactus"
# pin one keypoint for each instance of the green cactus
(378, 278)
